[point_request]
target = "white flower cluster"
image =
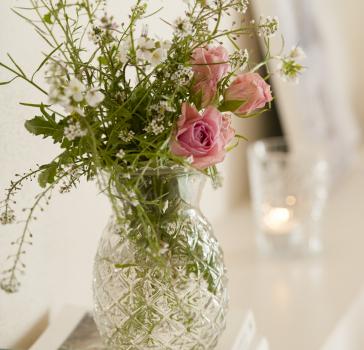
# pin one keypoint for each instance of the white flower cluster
(121, 96)
(120, 154)
(55, 76)
(164, 248)
(69, 94)
(123, 53)
(155, 127)
(74, 93)
(7, 217)
(73, 131)
(268, 26)
(239, 59)
(242, 6)
(183, 27)
(170, 228)
(158, 111)
(202, 3)
(239, 6)
(182, 76)
(140, 9)
(126, 136)
(161, 108)
(132, 198)
(106, 25)
(150, 51)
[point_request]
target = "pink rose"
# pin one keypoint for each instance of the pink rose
(252, 90)
(210, 65)
(204, 137)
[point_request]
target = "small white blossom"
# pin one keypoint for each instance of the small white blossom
(74, 131)
(140, 9)
(107, 23)
(164, 249)
(155, 127)
(75, 89)
(132, 197)
(171, 228)
(165, 106)
(72, 109)
(297, 53)
(94, 35)
(56, 72)
(120, 154)
(121, 96)
(182, 76)
(94, 97)
(183, 27)
(56, 96)
(159, 110)
(290, 70)
(157, 57)
(123, 53)
(165, 45)
(144, 48)
(126, 136)
(190, 159)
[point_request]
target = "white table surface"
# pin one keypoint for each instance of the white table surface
(299, 303)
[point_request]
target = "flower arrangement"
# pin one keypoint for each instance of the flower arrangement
(119, 101)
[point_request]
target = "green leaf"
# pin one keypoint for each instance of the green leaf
(47, 175)
(45, 126)
(103, 60)
(241, 137)
(197, 99)
(47, 18)
(231, 106)
(35, 105)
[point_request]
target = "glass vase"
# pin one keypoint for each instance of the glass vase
(289, 191)
(159, 276)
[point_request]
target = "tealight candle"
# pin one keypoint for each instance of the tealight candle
(279, 221)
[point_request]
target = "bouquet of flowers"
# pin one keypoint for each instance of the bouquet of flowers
(119, 101)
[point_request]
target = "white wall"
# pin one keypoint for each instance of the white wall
(59, 264)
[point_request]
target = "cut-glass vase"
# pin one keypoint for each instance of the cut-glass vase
(159, 276)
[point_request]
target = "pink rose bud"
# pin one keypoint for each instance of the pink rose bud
(210, 65)
(202, 137)
(252, 90)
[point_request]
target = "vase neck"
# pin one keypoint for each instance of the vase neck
(165, 186)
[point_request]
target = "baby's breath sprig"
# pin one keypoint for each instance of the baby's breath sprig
(7, 214)
(9, 281)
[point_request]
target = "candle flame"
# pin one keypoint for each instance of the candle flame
(279, 220)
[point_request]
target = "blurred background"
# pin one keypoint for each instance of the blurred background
(324, 112)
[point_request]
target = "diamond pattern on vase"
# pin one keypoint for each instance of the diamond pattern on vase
(141, 305)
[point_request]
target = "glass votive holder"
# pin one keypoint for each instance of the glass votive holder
(289, 192)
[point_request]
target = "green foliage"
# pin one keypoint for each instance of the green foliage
(47, 175)
(45, 126)
(47, 18)
(231, 106)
